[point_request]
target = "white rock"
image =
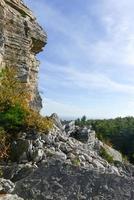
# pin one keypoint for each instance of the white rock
(10, 197)
(97, 164)
(6, 186)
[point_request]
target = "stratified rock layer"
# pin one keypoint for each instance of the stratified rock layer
(21, 38)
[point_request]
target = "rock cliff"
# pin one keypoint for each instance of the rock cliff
(21, 38)
(68, 163)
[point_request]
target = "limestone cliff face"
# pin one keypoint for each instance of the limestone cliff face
(21, 38)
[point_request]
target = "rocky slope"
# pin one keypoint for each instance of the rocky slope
(58, 166)
(21, 38)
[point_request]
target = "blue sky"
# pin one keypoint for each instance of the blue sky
(87, 66)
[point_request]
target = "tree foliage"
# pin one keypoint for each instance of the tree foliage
(118, 132)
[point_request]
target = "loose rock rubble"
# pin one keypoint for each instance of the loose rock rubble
(44, 167)
(59, 144)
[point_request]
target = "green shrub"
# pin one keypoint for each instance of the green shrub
(35, 121)
(12, 118)
(105, 155)
(15, 113)
(75, 161)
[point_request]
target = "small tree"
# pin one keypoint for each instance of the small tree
(83, 120)
(13, 100)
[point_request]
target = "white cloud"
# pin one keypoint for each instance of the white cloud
(92, 47)
(115, 46)
(88, 80)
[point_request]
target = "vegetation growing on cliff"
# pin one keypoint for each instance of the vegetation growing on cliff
(105, 155)
(15, 113)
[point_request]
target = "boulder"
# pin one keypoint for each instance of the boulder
(116, 155)
(69, 127)
(59, 156)
(84, 135)
(56, 121)
(6, 186)
(37, 155)
(48, 138)
(56, 155)
(24, 150)
(19, 149)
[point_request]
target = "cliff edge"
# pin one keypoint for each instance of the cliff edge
(21, 38)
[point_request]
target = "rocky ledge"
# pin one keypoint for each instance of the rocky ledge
(59, 166)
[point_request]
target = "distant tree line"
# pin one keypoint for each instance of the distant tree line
(118, 132)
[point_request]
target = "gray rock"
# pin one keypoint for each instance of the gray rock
(20, 40)
(10, 197)
(97, 164)
(48, 138)
(37, 155)
(24, 150)
(58, 180)
(84, 135)
(38, 143)
(19, 149)
(69, 127)
(65, 147)
(6, 186)
(88, 158)
(116, 155)
(91, 137)
(62, 138)
(71, 156)
(57, 121)
(17, 172)
(59, 156)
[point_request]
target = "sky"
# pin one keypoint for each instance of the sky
(87, 66)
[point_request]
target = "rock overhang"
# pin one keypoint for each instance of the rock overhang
(21, 38)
